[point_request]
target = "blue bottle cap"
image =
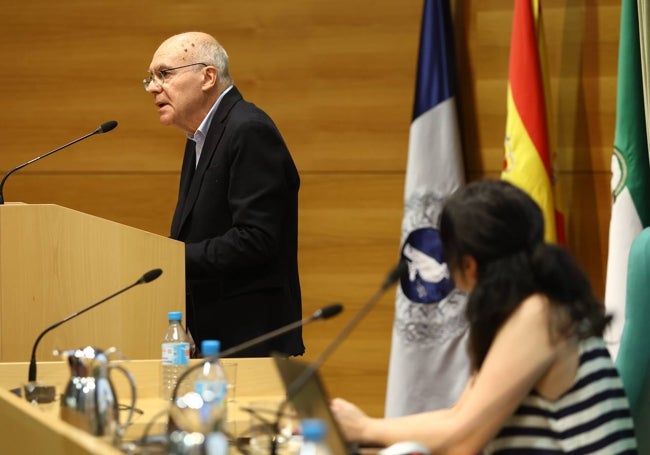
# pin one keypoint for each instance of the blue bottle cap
(210, 347)
(313, 429)
(175, 315)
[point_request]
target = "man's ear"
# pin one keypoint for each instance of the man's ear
(210, 78)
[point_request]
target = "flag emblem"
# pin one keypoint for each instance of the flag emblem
(427, 278)
(429, 309)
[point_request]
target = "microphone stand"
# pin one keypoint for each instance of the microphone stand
(273, 426)
(103, 128)
(323, 313)
(391, 279)
(312, 368)
(146, 278)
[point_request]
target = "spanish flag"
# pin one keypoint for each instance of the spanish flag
(528, 158)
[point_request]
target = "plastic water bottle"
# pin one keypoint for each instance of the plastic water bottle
(212, 385)
(175, 353)
(192, 344)
(314, 442)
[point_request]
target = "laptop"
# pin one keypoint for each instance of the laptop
(311, 401)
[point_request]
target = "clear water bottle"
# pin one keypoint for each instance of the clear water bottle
(212, 385)
(175, 353)
(192, 344)
(314, 432)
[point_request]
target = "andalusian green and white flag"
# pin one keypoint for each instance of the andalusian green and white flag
(630, 170)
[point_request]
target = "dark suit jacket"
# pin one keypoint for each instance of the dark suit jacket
(238, 216)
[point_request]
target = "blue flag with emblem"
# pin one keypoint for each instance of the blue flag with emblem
(429, 364)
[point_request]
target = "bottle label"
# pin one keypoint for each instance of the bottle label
(175, 354)
(211, 391)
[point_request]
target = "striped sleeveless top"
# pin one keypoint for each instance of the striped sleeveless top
(593, 417)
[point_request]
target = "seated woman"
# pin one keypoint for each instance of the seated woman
(543, 380)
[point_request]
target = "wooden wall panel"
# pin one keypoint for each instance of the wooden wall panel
(338, 78)
(142, 200)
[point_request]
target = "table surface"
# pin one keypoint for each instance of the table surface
(256, 380)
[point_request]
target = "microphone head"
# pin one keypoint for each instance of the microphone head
(150, 276)
(328, 311)
(106, 127)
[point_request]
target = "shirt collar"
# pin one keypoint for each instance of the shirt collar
(199, 135)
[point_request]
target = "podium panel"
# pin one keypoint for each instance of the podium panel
(56, 261)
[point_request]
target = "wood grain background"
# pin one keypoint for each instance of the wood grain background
(338, 79)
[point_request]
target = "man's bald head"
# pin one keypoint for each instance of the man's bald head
(192, 47)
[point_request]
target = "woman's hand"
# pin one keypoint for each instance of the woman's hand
(351, 419)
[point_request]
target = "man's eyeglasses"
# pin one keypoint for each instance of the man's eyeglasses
(159, 76)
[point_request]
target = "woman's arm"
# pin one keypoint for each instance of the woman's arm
(521, 353)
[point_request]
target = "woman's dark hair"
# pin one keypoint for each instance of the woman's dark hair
(502, 228)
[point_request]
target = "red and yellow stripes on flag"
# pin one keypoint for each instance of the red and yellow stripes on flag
(528, 158)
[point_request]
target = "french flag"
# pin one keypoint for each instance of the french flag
(429, 364)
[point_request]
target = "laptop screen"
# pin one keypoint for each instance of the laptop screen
(311, 400)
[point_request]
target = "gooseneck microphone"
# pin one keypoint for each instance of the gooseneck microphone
(146, 278)
(392, 277)
(323, 313)
(311, 369)
(103, 128)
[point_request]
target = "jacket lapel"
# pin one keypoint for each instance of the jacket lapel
(190, 187)
(187, 174)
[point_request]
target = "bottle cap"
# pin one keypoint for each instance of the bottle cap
(175, 315)
(210, 347)
(313, 429)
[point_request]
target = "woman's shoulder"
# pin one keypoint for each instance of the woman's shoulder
(558, 318)
(535, 306)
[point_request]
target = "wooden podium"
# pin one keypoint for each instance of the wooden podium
(55, 261)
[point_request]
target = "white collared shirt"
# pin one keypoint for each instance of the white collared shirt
(199, 135)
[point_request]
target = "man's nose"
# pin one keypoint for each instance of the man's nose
(153, 87)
